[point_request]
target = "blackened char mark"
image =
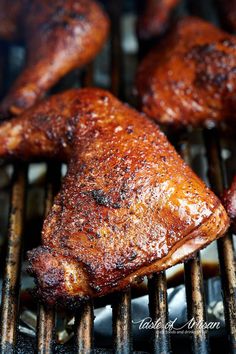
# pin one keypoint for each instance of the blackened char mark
(102, 198)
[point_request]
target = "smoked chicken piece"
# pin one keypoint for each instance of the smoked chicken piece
(190, 79)
(227, 13)
(128, 205)
(156, 18)
(229, 201)
(59, 35)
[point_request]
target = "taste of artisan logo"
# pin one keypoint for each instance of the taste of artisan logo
(171, 326)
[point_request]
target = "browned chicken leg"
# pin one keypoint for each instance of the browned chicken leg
(191, 77)
(155, 18)
(60, 36)
(229, 201)
(129, 205)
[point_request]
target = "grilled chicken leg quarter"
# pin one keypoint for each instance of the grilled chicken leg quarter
(128, 206)
(190, 78)
(59, 35)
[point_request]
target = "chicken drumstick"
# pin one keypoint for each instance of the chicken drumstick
(59, 35)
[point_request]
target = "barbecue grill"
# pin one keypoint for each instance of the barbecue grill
(218, 172)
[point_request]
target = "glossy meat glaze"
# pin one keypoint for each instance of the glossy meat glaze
(190, 78)
(59, 35)
(128, 206)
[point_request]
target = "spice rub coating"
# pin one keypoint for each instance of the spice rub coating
(190, 78)
(128, 206)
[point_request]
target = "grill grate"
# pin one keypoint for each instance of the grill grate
(194, 285)
(158, 309)
(46, 317)
(225, 244)
(158, 306)
(10, 293)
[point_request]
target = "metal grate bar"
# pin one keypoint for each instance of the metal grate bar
(225, 244)
(11, 282)
(46, 317)
(84, 325)
(46, 323)
(158, 308)
(195, 303)
(87, 79)
(122, 323)
(194, 282)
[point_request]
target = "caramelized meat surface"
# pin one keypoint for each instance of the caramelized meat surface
(190, 78)
(227, 13)
(155, 18)
(59, 35)
(128, 206)
(229, 201)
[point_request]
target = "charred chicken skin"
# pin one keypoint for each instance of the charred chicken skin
(59, 35)
(128, 206)
(229, 201)
(156, 18)
(190, 78)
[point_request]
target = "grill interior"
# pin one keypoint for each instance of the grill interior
(218, 172)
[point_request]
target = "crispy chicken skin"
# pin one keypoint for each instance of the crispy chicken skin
(190, 78)
(59, 35)
(155, 18)
(128, 206)
(229, 201)
(227, 13)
